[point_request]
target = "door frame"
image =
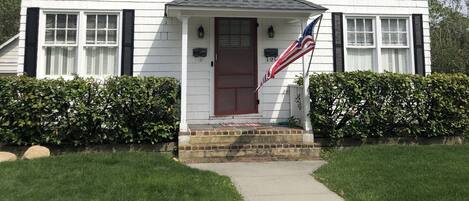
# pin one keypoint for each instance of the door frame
(215, 64)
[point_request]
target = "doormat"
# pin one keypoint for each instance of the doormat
(240, 125)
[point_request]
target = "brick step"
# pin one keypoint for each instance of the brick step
(246, 139)
(245, 131)
(247, 152)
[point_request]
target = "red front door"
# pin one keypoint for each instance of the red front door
(235, 66)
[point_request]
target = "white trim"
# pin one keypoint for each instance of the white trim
(12, 39)
(183, 127)
(212, 67)
(178, 11)
(80, 42)
(307, 125)
(378, 46)
(260, 72)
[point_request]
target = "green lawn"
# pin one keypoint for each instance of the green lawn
(398, 173)
(111, 177)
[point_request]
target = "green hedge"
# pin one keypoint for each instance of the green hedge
(84, 111)
(365, 104)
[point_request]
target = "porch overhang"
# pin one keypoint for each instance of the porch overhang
(294, 9)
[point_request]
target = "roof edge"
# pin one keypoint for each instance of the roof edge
(311, 7)
(9, 41)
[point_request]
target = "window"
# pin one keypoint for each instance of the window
(395, 45)
(235, 33)
(363, 45)
(360, 43)
(101, 45)
(61, 44)
(81, 43)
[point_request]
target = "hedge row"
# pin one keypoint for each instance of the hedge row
(85, 111)
(365, 104)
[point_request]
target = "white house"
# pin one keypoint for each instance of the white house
(9, 56)
(217, 48)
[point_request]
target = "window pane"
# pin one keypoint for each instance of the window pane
(60, 36)
(102, 21)
(112, 37)
(369, 39)
(72, 21)
(394, 60)
(90, 36)
(61, 20)
(224, 40)
(385, 25)
(368, 25)
(101, 61)
(101, 37)
(91, 21)
(351, 25)
(360, 25)
(245, 27)
(224, 27)
(361, 39)
(393, 25)
(245, 41)
(402, 25)
(112, 22)
(235, 27)
(71, 36)
(61, 61)
(386, 38)
(394, 38)
(359, 59)
(50, 34)
(351, 38)
(50, 21)
(403, 39)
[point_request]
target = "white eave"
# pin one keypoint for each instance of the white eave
(12, 39)
(179, 11)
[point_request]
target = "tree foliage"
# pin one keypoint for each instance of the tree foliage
(450, 37)
(9, 19)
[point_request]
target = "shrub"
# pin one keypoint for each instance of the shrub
(85, 111)
(365, 104)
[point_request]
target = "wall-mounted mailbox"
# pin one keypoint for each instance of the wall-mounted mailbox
(271, 52)
(199, 52)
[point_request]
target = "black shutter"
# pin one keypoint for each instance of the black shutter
(419, 51)
(30, 50)
(338, 41)
(128, 42)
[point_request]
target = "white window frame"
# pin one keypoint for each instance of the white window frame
(375, 41)
(378, 43)
(81, 41)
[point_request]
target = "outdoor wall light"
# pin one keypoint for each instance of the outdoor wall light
(271, 32)
(201, 32)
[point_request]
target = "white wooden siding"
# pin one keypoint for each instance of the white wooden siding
(9, 58)
(158, 42)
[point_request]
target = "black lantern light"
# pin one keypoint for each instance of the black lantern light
(271, 32)
(201, 32)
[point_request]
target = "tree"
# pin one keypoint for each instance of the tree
(9, 19)
(449, 30)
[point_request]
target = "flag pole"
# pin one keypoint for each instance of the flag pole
(315, 43)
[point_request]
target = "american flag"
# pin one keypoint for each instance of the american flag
(297, 49)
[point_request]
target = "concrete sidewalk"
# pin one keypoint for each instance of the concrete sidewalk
(275, 181)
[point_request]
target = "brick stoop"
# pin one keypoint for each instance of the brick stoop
(259, 143)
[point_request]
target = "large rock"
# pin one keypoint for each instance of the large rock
(36, 152)
(7, 156)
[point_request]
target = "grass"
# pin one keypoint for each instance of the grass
(120, 176)
(398, 173)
